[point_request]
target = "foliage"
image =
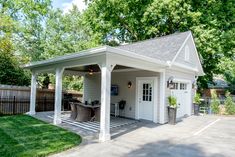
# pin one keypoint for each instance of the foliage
(214, 103)
(228, 67)
(29, 16)
(229, 104)
(172, 101)
(35, 31)
(197, 99)
(25, 136)
(11, 73)
(64, 33)
(212, 24)
(73, 83)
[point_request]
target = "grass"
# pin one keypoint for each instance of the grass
(25, 136)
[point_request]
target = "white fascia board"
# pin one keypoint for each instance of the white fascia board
(197, 55)
(81, 54)
(93, 52)
(182, 66)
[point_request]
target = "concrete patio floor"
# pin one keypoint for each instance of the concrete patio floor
(195, 136)
(89, 130)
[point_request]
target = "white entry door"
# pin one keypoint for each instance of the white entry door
(182, 94)
(145, 99)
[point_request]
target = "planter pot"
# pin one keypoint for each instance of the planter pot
(172, 115)
(196, 109)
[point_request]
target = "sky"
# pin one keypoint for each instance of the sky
(66, 5)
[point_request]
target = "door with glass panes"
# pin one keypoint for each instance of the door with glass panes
(181, 93)
(145, 99)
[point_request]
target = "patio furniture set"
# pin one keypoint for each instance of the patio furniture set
(85, 112)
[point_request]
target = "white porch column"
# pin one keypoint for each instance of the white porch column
(58, 95)
(105, 103)
(162, 112)
(33, 93)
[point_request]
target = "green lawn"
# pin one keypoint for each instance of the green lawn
(25, 136)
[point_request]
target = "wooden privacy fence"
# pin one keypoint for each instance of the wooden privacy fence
(16, 99)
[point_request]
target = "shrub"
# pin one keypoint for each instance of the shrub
(215, 103)
(197, 98)
(172, 101)
(229, 104)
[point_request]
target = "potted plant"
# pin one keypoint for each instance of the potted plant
(172, 109)
(196, 103)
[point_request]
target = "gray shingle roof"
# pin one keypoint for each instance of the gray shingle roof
(163, 48)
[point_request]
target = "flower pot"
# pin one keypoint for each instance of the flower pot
(196, 109)
(172, 115)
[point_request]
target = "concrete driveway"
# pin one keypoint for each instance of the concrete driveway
(210, 136)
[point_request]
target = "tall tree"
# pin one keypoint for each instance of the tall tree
(10, 72)
(212, 24)
(65, 33)
(30, 16)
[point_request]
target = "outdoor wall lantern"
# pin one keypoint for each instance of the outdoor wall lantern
(90, 71)
(194, 85)
(170, 83)
(129, 84)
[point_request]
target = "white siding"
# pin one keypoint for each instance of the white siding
(192, 62)
(178, 75)
(92, 88)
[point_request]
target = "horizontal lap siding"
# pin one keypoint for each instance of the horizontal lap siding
(192, 62)
(177, 75)
(92, 88)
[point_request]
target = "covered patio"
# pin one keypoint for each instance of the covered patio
(87, 128)
(103, 61)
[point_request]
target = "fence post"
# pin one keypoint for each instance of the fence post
(14, 105)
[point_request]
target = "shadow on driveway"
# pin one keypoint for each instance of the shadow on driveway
(165, 148)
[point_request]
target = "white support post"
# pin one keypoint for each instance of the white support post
(58, 95)
(162, 106)
(105, 103)
(33, 93)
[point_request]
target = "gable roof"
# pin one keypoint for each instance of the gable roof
(164, 48)
(162, 51)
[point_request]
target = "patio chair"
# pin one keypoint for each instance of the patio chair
(83, 113)
(73, 111)
(97, 114)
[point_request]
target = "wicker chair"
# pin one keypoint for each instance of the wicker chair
(73, 111)
(97, 114)
(83, 114)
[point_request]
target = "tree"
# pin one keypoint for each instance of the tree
(28, 35)
(212, 24)
(65, 33)
(10, 72)
(214, 103)
(229, 104)
(227, 65)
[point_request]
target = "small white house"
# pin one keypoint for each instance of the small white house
(143, 74)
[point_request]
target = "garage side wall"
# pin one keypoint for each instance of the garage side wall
(182, 76)
(92, 84)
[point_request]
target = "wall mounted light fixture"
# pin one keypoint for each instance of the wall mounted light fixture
(170, 83)
(90, 72)
(129, 84)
